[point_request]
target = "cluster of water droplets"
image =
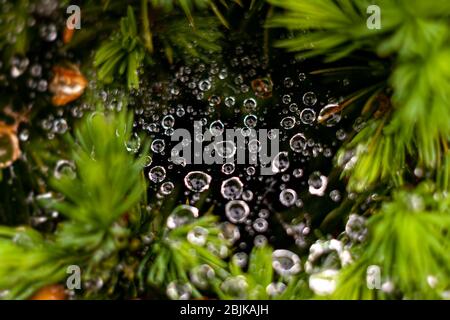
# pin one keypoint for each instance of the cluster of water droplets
(244, 94)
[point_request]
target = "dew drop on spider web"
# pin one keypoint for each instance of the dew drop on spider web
(216, 128)
(250, 104)
(317, 183)
(329, 115)
(166, 188)
(260, 225)
(298, 142)
(240, 259)
(197, 181)
(157, 174)
(158, 145)
(285, 262)
(237, 211)
(288, 197)
(179, 291)
(228, 168)
(232, 188)
(275, 289)
(309, 99)
(133, 144)
(182, 215)
(307, 116)
(202, 275)
(287, 123)
(280, 162)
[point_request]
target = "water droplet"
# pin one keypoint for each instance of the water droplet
(230, 101)
(133, 144)
(250, 171)
(285, 262)
(214, 100)
(157, 174)
(272, 134)
(309, 99)
(168, 122)
(308, 116)
(260, 241)
(262, 87)
(166, 188)
(24, 134)
(36, 70)
(65, 168)
(298, 142)
(264, 213)
(60, 126)
(275, 289)
(288, 197)
(260, 225)
(180, 112)
(228, 168)
(250, 121)
(329, 115)
(148, 161)
(288, 82)
(288, 122)
(229, 232)
(38, 220)
(42, 85)
(432, 281)
(18, 66)
(158, 145)
(317, 183)
(216, 128)
(341, 135)
(4, 294)
(335, 195)
(223, 74)
(197, 181)
(359, 124)
(182, 215)
(246, 132)
(281, 162)
(225, 149)
(231, 188)
(247, 195)
(286, 99)
(254, 146)
(48, 32)
(323, 283)
(201, 276)
(218, 250)
(179, 291)
(418, 172)
(388, 287)
(198, 236)
(356, 228)
(250, 104)
(204, 85)
(237, 211)
(235, 287)
(326, 254)
(240, 259)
